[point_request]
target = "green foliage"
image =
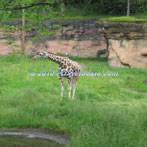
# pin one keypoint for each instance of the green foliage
(51, 33)
(73, 8)
(57, 26)
(34, 39)
(28, 29)
(118, 7)
(12, 43)
(9, 43)
(46, 32)
(16, 52)
(5, 15)
(124, 19)
(43, 33)
(15, 45)
(9, 27)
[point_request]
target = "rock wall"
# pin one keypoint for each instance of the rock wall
(75, 38)
(127, 43)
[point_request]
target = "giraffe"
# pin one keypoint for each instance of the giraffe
(67, 69)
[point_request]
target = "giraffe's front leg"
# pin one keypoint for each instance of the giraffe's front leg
(69, 87)
(62, 87)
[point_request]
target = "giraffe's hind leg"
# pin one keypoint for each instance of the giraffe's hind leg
(62, 87)
(75, 79)
(69, 87)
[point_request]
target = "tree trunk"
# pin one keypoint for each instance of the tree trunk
(23, 32)
(62, 8)
(128, 8)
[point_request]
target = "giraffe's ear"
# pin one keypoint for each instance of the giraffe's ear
(45, 52)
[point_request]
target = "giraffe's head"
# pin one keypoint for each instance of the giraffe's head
(40, 55)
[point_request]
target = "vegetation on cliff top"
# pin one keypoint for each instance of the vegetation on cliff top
(124, 19)
(65, 9)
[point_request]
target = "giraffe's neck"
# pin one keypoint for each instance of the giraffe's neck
(56, 58)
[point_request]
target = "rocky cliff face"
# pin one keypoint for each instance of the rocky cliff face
(75, 37)
(127, 43)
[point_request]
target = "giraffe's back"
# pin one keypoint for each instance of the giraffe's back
(69, 66)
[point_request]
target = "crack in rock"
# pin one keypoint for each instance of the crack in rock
(123, 63)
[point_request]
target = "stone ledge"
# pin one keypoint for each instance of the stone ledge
(75, 38)
(122, 30)
(126, 43)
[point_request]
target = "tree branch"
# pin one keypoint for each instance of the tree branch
(29, 6)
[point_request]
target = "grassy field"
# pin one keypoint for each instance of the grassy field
(108, 111)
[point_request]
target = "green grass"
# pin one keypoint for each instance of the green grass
(108, 111)
(102, 17)
(124, 19)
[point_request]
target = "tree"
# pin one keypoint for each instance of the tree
(7, 7)
(23, 32)
(87, 6)
(62, 8)
(128, 8)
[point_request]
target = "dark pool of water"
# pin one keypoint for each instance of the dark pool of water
(21, 141)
